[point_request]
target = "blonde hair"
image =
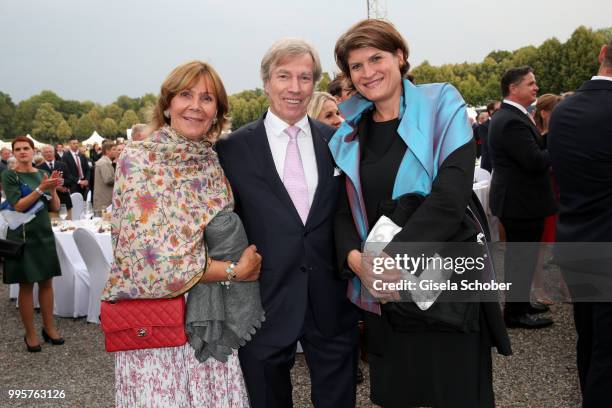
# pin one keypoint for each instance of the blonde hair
(289, 47)
(316, 103)
(183, 77)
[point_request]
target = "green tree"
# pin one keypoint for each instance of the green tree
(113, 111)
(125, 103)
(547, 69)
(247, 106)
(7, 113)
(84, 128)
(108, 128)
(129, 118)
(46, 122)
(323, 82)
(148, 99)
(73, 122)
(578, 61)
(69, 107)
(145, 113)
(499, 55)
(63, 132)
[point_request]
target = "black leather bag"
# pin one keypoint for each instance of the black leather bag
(11, 249)
(443, 315)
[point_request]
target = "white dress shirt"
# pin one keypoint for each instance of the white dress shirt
(278, 140)
(516, 105)
(606, 78)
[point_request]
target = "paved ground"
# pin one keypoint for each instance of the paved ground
(541, 373)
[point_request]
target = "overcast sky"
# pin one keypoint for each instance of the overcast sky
(100, 49)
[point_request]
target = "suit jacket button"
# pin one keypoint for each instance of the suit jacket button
(303, 268)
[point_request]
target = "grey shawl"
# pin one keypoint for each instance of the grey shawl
(218, 318)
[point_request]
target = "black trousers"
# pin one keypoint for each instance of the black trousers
(594, 353)
(520, 260)
(332, 363)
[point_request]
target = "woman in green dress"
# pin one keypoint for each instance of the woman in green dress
(24, 187)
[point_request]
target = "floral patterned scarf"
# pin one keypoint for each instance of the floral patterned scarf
(167, 189)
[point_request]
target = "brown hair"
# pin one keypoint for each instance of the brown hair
(184, 76)
(106, 146)
(373, 33)
(22, 139)
(546, 102)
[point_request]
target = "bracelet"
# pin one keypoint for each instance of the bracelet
(39, 191)
(231, 274)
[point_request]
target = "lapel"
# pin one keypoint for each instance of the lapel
(534, 130)
(257, 142)
(72, 162)
(324, 169)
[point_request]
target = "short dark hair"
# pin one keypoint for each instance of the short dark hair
(513, 76)
(335, 85)
(491, 107)
(22, 139)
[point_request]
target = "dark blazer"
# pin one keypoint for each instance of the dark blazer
(483, 134)
(60, 166)
(580, 143)
(71, 175)
(520, 186)
(298, 269)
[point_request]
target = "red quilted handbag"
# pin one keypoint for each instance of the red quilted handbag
(143, 323)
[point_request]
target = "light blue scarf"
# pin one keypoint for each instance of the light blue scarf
(433, 124)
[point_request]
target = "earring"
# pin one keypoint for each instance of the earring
(214, 121)
(167, 113)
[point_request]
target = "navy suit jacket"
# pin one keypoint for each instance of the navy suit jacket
(60, 166)
(520, 186)
(298, 267)
(71, 175)
(580, 144)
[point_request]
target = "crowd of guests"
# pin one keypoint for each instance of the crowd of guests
(308, 180)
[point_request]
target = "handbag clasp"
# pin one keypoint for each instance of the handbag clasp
(142, 332)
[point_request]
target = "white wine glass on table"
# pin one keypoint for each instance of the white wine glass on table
(63, 213)
(88, 210)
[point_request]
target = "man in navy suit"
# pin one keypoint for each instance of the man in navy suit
(580, 143)
(76, 177)
(283, 179)
(50, 164)
(521, 194)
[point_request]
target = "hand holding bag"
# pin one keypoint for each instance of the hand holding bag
(143, 323)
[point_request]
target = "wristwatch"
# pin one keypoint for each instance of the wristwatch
(39, 191)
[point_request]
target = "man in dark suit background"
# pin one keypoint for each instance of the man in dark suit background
(59, 151)
(521, 194)
(282, 176)
(580, 140)
(50, 164)
(77, 174)
(483, 135)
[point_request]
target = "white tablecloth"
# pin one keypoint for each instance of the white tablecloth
(482, 192)
(72, 254)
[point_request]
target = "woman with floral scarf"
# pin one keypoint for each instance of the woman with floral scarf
(168, 189)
